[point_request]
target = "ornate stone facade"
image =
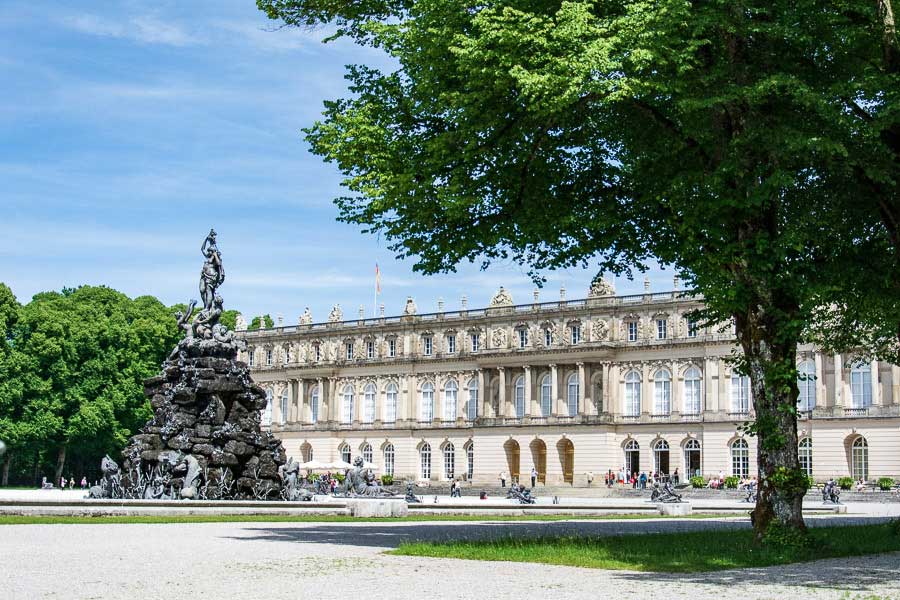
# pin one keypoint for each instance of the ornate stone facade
(568, 387)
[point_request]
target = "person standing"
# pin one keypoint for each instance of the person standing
(590, 478)
(503, 479)
(534, 475)
(83, 482)
(71, 483)
(675, 477)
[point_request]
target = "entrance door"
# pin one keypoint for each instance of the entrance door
(632, 458)
(539, 458)
(512, 458)
(567, 459)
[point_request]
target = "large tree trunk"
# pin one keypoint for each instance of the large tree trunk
(7, 462)
(60, 463)
(770, 354)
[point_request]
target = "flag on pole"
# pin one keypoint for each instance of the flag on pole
(377, 279)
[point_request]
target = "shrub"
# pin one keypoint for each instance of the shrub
(340, 477)
(845, 483)
(698, 482)
(387, 479)
(885, 483)
(313, 476)
(732, 481)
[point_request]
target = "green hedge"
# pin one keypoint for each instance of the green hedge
(387, 479)
(698, 482)
(885, 483)
(845, 483)
(732, 481)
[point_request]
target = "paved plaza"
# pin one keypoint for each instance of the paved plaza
(347, 560)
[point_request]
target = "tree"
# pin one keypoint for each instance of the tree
(716, 137)
(83, 355)
(267, 320)
(11, 430)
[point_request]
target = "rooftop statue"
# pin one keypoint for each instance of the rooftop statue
(501, 298)
(306, 317)
(600, 287)
(336, 315)
(410, 308)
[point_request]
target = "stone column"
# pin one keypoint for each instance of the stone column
(647, 399)
(483, 402)
(839, 382)
(724, 398)
(528, 393)
(895, 384)
(820, 381)
(322, 416)
(677, 402)
(462, 398)
(582, 392)
(405, 407)
(502, 410)
(876, 387)
(300, 400)
(613, 387)
(334, 414)
(276, 405)
(554, 392)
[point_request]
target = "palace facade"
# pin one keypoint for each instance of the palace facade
(567, 387)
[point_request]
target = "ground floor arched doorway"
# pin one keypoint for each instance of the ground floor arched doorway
(567, 459)
(632, 458)
(539, 459)
(511, 447)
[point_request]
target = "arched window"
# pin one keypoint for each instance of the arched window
(472, 405)
(347, 416)
(282, 418)
(740, 458)
(692, 389)
(267, 413)
(806, 381)
(345, 453)
(306, 452)
(573, 393)
(314, 403)
(692, 458)
(520, 396)
(451, 391)
(389, 459)
(859, 459)
(546, 396)
(369, 403)
(470, 461)
(427, 402)
(390, 407)
(861, 385)
(632, 394)
(449, 461)
(804, 452)
(425, 461)
(661, 457)
(367, 452)
(740, 393)
(632, 457)
(662, 392)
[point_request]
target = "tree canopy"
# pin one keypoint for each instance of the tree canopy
(752, 145)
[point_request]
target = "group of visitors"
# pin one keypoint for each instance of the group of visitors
(717, 483)
(638, 480)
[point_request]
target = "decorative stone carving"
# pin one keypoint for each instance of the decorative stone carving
(680, 326)
(336, 315)
(306, 317)
(360, 482)
(501, 298)
(498, 338)
(410, 308)
(240, 323)
(599, 330)
(601, 288)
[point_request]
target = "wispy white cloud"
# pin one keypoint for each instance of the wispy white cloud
(145, 29)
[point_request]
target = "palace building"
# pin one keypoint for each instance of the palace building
(567, 387)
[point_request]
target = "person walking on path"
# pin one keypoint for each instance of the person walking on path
(534, 475)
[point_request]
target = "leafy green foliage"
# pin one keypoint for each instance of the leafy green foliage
(73, 371)
(387, 479)
(845, 483)
(885, 483)
(698, 482)
(254, 324)
(732, 481)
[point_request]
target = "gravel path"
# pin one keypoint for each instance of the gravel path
(346, 560)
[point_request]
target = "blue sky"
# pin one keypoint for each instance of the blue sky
(128, 129)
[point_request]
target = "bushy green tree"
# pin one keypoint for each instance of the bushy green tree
(267, 320)
(749, 144)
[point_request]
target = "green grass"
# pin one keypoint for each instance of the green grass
(171, 519)
(672, 553)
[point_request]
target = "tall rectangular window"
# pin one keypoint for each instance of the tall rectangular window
(523, 338)
(475, 342)
(451, 343)
(692, 327)
(548, 337)
(314, 404)
(349, 350)
(268, 358)
(392, 348)
(576, 334)
(427, 342)
(370, 349)
(252, 357)
(632, 331)
(661, 329)
(318, 350)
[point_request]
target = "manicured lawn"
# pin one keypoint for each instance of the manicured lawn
(672, 553)
(164, 519)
